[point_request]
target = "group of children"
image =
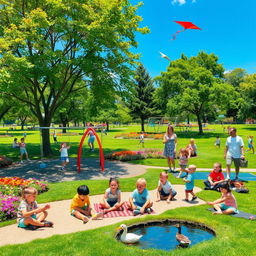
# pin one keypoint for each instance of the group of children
(31, 216)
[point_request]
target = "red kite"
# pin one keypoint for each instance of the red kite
(185, 25)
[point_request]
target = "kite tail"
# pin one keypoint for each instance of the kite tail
(175, 35)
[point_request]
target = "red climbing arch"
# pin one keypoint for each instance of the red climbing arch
(81, 147)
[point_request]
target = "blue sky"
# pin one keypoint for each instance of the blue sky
(228, 30)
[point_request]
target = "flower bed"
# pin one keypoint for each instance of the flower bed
(10, 192)
(134, 155)
(135, 135)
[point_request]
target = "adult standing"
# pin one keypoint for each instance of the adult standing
(234, 151)
(170, 141)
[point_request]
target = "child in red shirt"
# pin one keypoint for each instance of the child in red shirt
(215, 178)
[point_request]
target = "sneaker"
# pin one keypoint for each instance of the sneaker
(85, 220)
(207, 188)
(21, 162)
(148, 210)
(48, 224)
(92, 150)
(186, 200)
(136, 212)
(236, 178)
(170, 170)
(32, 227)
(194, 198)
(174, 169)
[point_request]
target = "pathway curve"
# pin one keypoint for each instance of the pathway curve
(64, 223)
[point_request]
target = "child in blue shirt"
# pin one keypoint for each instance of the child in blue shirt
(139, 200)
(189, 182)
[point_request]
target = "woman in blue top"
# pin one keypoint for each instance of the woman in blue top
(170, 141)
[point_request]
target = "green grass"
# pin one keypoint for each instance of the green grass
(207, 152)
(234, 236)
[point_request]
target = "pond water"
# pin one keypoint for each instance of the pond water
(163, 236)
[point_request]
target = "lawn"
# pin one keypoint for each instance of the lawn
(207, 152)
(230, 239)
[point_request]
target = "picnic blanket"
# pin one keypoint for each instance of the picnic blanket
(244, 215)
(121, 213)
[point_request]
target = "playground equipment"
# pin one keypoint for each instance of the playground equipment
(99, 127)
(156, 123)
(81, 146)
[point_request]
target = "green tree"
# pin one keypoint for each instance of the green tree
(248, 90)
(142, 99)
(52, 49)
(192, 85)
(234, 78)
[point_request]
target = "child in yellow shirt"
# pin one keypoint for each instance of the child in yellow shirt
(80, 206)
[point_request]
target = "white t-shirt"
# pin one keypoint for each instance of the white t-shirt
(64, 152)
(234, 145)
(166, 187)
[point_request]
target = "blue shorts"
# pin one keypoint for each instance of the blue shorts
(249, 145)
(23, 151)
(111, 202)
(91, 139)
(224, 207)
(64, 158)
(21, 223)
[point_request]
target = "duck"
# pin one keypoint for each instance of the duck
(183, 240)
(128, 238)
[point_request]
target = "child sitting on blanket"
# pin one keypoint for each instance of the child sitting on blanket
(139, 201)
(29, 214)
(227, 203)
(112, 197)
(165, 190)
(81, 207)
(215, 178)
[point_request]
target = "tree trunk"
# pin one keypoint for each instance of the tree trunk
(64, 124)
(107, 125)
(199, 121)
(46, 142)
(4, 111)
(142, 124)
(188, 120)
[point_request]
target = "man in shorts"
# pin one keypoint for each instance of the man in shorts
(234, 151)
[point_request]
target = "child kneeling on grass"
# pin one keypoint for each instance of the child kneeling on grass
(165, 190)
(139, 201)
(29, 214)
(227, 203)
(81, 207)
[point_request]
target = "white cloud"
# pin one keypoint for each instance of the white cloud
(181, 2)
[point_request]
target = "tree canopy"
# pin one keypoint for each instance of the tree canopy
(53, 48)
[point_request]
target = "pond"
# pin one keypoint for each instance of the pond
(162, 234)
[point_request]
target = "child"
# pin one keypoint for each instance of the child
(91, 140)
(227, 203)
(217, 142)
(192, 148)
(23, 150)
(15, 143)
(139, 200)
(165, 190)
(64, 155)
(190, 182)
(81, 207)
(250, 144)
(29, 215)
(112, 198)
(183, 161)
(215, 178)
(142, 139)
(55, 136)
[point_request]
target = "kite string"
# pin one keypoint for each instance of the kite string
(175, 35)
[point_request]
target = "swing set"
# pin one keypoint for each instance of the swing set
(88, 129)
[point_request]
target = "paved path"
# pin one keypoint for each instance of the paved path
(90, 170)
(64, 223)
